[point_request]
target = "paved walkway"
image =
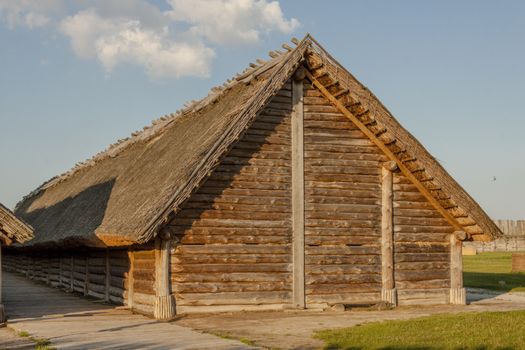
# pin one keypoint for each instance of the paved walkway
(73, 322)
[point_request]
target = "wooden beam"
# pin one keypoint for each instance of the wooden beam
(457, 292)
(385, 150)
(108, 278)
(130, 279)
(2, 312)
(388, 291)
(164, 308)
(71, 268)
(86, 276)
(298, 190)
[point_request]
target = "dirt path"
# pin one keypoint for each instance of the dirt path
(72, 322)
(10, 340)
(294, 330)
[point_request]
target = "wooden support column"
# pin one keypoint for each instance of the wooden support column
(86, 276)
(458, 294)
(2, 312)
(130, 279)
(298, 189)
(164, 300)
(71, 272)
(59, 271)
(388, 290)
(108, 277)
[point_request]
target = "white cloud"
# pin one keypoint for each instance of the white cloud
(27, 13)
(231, 21)
(173, 43)
(122, 40)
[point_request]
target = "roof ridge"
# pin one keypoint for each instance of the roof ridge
(160, 124)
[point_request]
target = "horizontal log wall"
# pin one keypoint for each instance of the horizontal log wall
(144, 281)
(235, 231)
(342, 209)
(421, 247)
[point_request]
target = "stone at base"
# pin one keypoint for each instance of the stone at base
(164, 308)
(389, 296)
(338, 307)
(458, 296)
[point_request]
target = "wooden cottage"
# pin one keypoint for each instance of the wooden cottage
(12, 230)
(290, 186)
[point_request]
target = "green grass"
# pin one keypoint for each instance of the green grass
(492, 271)
(465, 331)
(40, 343)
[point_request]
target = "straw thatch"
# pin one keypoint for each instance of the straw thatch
(12, 229)
(125, 194)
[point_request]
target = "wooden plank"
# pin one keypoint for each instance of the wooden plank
(388, 292)
(164, 302)
(131, 282)
(298, 194)
(457, 292)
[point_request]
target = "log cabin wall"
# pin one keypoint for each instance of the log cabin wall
(343, 207)
(232, 245)
(235, 231)
(422, 247)
(144, 281)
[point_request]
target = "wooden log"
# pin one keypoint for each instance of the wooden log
(457, 292)
(388, 292)
(298, 194)
(230, 259)
(232, 277)
(130, 280)
(214, 287)
(233, 298)
(164, 301)
(345, 298)
(344, 279)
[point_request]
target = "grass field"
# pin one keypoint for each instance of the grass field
(466, 331)
(492, 271)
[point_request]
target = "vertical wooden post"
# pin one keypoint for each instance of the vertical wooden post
(388, 290)
(457, 292)
(130, 279)
(298, 189)
(2, 312)
(86, 275)
(59, 271)
(72, 270)
(164, 301)
(108, 277)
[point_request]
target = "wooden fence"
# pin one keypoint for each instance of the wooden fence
(513, 239)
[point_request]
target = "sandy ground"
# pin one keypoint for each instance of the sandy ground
(73, 322)
(9, 339)
(294, 329)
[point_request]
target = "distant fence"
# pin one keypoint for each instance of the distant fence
(513, 239)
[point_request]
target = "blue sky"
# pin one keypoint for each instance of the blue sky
(76, 76)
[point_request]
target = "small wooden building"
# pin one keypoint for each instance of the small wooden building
(12, 230)
(290, 186)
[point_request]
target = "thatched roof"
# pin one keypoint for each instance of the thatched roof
(12, 229)
(125, 194)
